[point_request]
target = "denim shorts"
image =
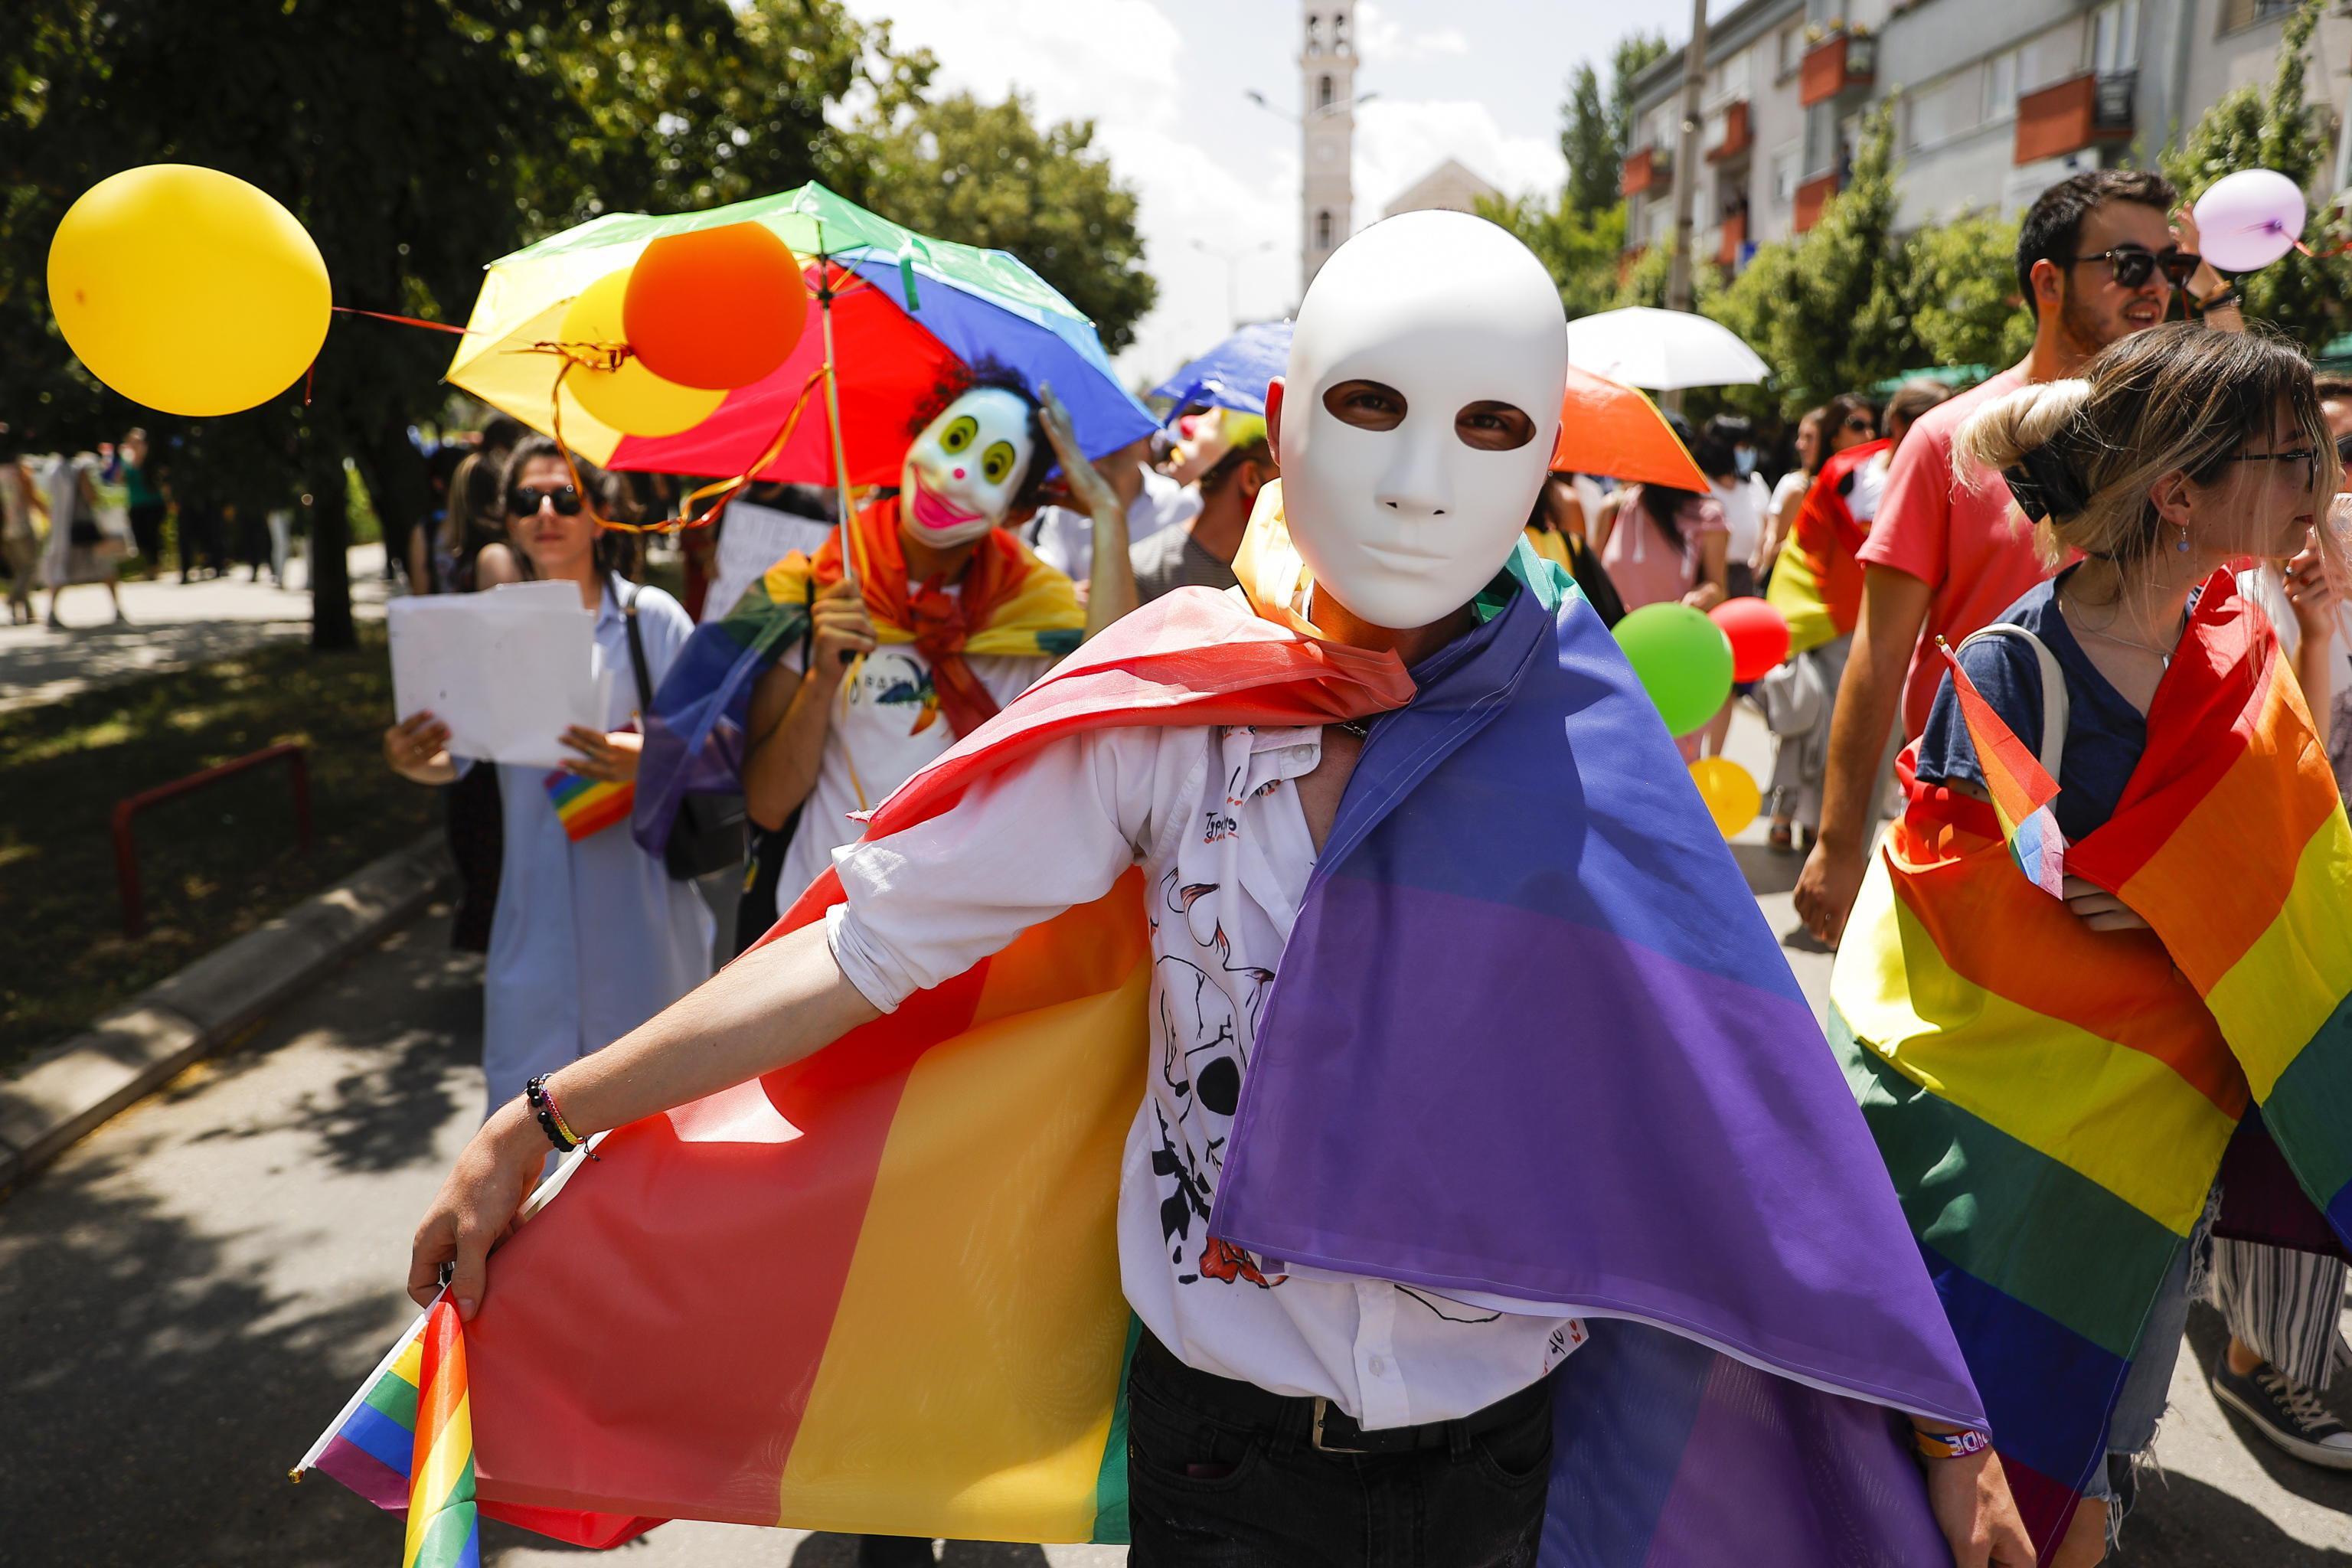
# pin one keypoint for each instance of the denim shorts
(2131, 1428)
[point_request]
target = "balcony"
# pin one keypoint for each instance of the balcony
(1737, 134)
(2068, 116)
(1811, 198)
(1835, 65)
(1652, 168)
(1734, 238)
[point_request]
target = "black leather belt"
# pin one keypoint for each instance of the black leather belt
(1316, 1422)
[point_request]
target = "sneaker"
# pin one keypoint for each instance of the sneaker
(2288, 1414)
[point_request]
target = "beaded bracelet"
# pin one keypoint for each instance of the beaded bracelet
(541, 1100)
(1951, 1445)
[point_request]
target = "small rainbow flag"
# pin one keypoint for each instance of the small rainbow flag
(442, 1531)
(2021, 790)
(588, 806)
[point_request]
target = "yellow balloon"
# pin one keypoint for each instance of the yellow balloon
(1732, 796)
(632, 399)
(188, 290)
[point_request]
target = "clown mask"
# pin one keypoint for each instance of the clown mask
(964, 471)
(1419, 413)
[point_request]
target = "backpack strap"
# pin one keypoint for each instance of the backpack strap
(2055, 704)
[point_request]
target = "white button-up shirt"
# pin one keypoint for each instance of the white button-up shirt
(1212, 815)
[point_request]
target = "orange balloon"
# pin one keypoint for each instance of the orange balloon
(716, 308)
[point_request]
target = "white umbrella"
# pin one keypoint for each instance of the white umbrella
(1661, 349)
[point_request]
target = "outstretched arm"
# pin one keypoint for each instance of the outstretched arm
(766, 1010)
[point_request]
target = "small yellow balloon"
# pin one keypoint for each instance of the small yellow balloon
(632, 399)
(188, 290)
(1731, 796)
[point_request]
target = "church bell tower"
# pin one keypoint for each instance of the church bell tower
(1327, 62)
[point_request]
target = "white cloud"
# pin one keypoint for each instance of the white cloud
(1399, 139)
(1382, 40)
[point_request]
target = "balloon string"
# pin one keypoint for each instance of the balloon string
(2329, 254)
(725, 489)
(406, 321)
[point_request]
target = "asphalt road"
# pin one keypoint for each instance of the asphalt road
(188, 1296)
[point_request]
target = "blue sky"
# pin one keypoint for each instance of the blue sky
(1481, 81)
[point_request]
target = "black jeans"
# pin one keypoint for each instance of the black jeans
(1211, 1480)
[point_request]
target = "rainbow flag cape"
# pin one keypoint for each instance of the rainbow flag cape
(851, 1301)
(2021, 790)
(2053, 1103)
(1817, 578)
(694, 736)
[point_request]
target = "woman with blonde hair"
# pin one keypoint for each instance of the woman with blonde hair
(2054, 1062)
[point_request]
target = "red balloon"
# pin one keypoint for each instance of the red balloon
(1759, 636)
(716, 308)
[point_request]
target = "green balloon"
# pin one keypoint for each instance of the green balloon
(1683, 661)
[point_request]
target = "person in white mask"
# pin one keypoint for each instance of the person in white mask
(1278, 1412)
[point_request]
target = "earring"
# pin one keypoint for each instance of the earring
(2181, 544)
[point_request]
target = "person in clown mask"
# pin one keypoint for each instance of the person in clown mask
(857, 679)
(1487, 1188)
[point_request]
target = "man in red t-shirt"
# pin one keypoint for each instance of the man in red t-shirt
(2098, 259)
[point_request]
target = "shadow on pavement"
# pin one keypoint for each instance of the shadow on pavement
(823, 1551)
(2183, 1522)
(2208, 1336)
(1767, 870)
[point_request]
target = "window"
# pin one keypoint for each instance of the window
(2237, 14)
(1730, 79)
(1323, 229)
(1788, 47)
(2001, 87)
(1340, 31)
(2055, 56)
(1946, 109)
(1786, 161)
(2115, 36)
(1314, 34)
(1323, 93)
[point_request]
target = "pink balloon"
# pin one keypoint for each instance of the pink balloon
(2249, 219)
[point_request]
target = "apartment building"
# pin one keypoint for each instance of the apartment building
(1995, 100)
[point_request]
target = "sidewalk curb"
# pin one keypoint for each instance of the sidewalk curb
(142, 1044)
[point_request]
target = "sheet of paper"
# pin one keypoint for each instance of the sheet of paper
(751, 539)
(507, 678)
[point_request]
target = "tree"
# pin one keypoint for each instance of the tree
(1964, 304)
(1582, 251)
(988, 174)
(1589, 140)
(2249, 128)
(1828, 310)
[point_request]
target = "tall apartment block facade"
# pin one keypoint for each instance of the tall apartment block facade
(1996, 99)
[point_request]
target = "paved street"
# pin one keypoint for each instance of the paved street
(173, 624)
(188, 1296)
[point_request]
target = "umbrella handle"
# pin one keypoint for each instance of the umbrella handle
(832, 409)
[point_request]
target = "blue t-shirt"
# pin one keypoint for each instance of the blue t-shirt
(2105, 733)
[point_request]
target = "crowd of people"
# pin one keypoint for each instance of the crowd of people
(2151, 490)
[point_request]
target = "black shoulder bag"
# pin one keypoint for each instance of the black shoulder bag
(707, 834)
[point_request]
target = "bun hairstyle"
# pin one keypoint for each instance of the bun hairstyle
(2081, 455)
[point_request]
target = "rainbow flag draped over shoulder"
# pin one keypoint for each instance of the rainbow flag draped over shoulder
(879, 1291)
(2053, 1103)
(1817, 578)
(1011, 604)
(2022, 792)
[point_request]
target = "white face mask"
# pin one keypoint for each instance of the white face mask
(962, 472)
(1443, 312)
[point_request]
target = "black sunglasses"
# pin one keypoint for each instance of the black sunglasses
(523, 500)
(2304, 456)
(2134, 264)
(1864, 422)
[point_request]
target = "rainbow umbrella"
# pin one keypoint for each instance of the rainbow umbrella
(901, 313)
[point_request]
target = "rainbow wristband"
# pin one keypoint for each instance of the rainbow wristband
(1950, 1445)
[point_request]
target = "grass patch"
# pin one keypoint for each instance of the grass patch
(215, 863)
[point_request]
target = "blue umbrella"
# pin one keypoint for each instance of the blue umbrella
(1233, 374)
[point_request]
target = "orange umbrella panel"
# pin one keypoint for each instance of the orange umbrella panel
(1609, 428)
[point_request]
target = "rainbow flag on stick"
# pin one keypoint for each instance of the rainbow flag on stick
(442, 1531)
(2053, 1103)
(2021, 790)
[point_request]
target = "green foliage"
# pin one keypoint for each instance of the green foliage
(1589, 140)
(1644, 282)
(1829, 309)
(1965, 307)
(987, 174)
(2250, 128)
(1580, 250)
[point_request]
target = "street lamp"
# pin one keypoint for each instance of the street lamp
(1232, 260)
(1260, 100)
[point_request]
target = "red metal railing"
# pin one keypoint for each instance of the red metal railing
(126, 854)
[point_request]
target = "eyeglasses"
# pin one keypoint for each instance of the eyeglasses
(523, 500)
(2134, 264)
(2304, 455)
(1863, 422)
